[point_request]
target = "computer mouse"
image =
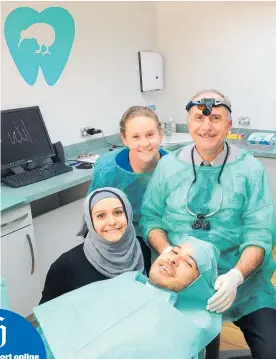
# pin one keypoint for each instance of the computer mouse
(114, 147)
(84, 166)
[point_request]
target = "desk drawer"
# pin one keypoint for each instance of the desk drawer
(15, 218)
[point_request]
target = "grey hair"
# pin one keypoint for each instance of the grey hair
(225, 98)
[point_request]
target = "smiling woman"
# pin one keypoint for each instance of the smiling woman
(131, 168)
(109, 219)
(109, 249)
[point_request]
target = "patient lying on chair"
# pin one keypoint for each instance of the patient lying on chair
(133, 317)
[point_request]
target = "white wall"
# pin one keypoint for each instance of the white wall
(228, 46)
(101, 77)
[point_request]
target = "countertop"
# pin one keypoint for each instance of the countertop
(11, 197)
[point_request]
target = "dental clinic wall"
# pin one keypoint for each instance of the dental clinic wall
(230, 46)
(101, 78)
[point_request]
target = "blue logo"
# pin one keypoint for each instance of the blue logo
(40, 40)
(3, 335)
(19, 338)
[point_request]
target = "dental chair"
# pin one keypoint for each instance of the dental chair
(212, 350)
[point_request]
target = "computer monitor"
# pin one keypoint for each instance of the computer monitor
(24, 137)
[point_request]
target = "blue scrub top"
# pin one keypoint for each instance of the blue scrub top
(122, 159)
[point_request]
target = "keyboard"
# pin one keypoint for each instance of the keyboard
(36, 175)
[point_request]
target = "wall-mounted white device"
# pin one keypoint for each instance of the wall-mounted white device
(151, 71)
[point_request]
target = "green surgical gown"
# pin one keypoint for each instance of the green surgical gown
(246, 217)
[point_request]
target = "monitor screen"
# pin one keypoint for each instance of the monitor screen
(24, 137)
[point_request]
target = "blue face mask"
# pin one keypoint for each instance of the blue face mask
(206, 105)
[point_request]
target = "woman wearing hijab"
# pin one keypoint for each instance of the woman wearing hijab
(109, 249)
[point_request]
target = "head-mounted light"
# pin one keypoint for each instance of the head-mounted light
(206, 105)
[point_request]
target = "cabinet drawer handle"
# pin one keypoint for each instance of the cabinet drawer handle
(15, 220)
(32, 253)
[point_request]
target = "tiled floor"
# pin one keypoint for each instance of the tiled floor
(231, 336)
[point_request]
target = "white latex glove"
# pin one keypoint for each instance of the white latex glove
(167, 249)
(226, 286)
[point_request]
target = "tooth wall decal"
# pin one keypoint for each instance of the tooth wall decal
(42, 40)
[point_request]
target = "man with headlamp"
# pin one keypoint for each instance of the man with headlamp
(220, 194)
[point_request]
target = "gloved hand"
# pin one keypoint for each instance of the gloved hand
(226, 286)
(167, 249)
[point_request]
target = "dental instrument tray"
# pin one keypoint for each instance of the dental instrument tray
(262, 138)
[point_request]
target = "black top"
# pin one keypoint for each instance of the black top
(72, 270)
